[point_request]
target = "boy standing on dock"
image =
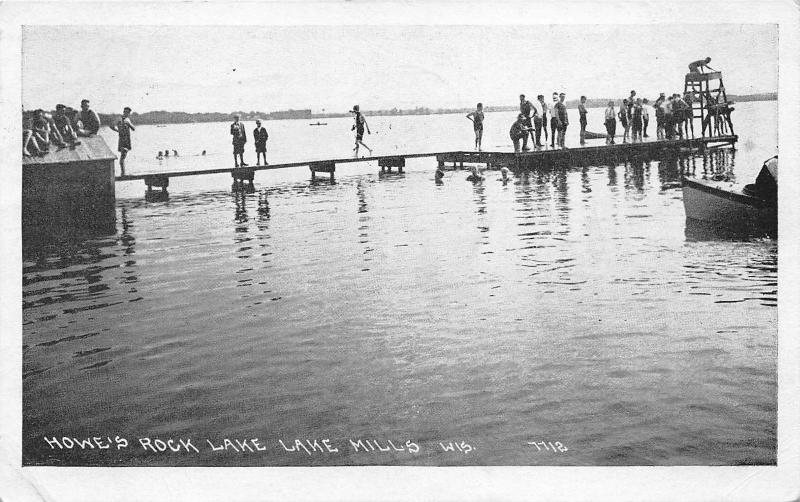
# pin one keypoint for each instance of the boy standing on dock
(477, 124)
(563, 119)
(659, 108)
(359, 126)
(525, 108)
(540, 118)
(239, 139)
(260, 137)
(582, 111)
(553, 121)
(623, 120)
(636, 119)
(679, 108)
(669, 126)
(645, 114)
(123, 127)
(611, 123)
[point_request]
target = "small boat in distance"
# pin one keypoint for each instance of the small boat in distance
(752, 209)
(318, 123)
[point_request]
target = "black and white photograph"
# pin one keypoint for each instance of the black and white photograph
(447, 242)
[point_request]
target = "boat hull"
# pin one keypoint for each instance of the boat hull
(728, 208)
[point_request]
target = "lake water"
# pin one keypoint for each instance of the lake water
(458, 323)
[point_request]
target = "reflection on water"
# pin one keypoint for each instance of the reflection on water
(566, 304)
(719, 164)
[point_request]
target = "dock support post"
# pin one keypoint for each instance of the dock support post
(326, 166)
(390, 162)
(156, 180)
(240, 175)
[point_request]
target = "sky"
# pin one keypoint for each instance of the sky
(331, 68)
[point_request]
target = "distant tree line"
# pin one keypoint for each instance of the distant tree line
(165, 117)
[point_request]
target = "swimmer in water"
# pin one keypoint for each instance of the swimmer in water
(475, 177)
(504, 174)
(160, 155)
(439, 176)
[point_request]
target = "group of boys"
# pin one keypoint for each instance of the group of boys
(633, 116)
(61, 128)
(673, 114)
(532, 120)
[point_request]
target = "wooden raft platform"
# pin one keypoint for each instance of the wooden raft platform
(534, 159)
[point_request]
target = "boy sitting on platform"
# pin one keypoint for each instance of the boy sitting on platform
(63, 125)
(30, 147)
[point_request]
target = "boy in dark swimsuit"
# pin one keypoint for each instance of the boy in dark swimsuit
(477, 124)
(636, 119)
(697, 66)
(358, 127)
(582, 111)
(518, 131)
(123, 127)
(525, 108)
(553, 121)
(623, 119)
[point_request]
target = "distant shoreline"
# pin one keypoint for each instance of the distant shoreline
(165, 117)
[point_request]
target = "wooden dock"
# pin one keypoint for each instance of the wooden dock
(534, 159)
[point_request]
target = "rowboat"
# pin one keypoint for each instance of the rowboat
(752, 208)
